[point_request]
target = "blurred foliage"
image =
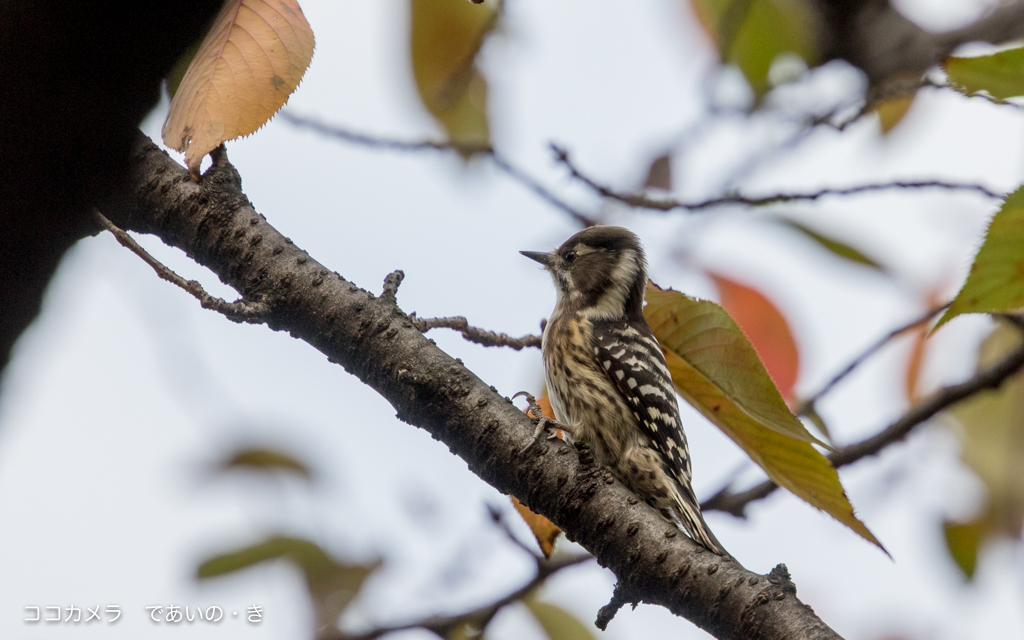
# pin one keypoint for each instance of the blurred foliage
(891, 110)
(832, 245)
(996, 280)
(331, 584)
(446, 36)
(259, 459)
(752, 34)
(992, 431)
(1000, 75)
(557, 623)
(766, 329)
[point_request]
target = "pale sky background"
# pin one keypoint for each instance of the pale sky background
(124, 394)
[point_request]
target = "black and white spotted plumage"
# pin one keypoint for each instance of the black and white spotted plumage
(607, 378)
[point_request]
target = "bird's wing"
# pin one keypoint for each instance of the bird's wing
(631, 357)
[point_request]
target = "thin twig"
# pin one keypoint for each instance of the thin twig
(642, 201)
(474, 334)
(500, 161)
(991, 378)
(477, 618)
(239, 311)
(498, 517)
(808, 405)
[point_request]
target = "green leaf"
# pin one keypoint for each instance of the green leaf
(812, 414)
(992, 434)
(993, 437)
(558, 623)
(709, 342)
(996, 280)
(332, 585)
(464, 631)
(832, 245)
(963, 540)
(717, 371)
(1001, 74)
(446, 36)
(267, 460)
(304, 553)
(753, 33)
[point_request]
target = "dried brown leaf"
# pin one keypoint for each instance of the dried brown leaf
(250, 62)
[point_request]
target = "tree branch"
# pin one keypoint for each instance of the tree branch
(807, 405)
(642, 201)
(992, 378)
(499, 160)
(214, 223)
(874, 36)
(474, 334)
(479, 617)
(240, 311)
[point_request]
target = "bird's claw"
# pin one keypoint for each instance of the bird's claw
(544, 423)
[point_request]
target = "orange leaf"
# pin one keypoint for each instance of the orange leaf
(542, 528)
(767, 330)
(913, 380)
(891, 111)
(250, 62)
(545, 532)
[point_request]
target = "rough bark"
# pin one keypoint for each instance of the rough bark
(214, 223)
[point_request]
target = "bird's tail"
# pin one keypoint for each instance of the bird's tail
(686, 512)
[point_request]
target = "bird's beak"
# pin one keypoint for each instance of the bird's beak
(539, 256)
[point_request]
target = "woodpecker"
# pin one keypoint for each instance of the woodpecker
(607, 379)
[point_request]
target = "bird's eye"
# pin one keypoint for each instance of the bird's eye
(569, 256)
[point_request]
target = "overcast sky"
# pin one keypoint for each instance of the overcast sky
(124, 393)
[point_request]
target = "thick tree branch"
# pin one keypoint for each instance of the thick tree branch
(642, 201)
(214, 223)
(992, 378)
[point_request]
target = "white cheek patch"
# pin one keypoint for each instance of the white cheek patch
(612, 303)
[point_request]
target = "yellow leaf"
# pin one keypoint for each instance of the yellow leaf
(250, 62)
(891, 111)
(446, 36)
(717, 371)
(543, 529)
(993, 438)
(557, 623)
(267, 460)
(963, 540)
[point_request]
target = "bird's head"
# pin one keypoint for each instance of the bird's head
(600, 272)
